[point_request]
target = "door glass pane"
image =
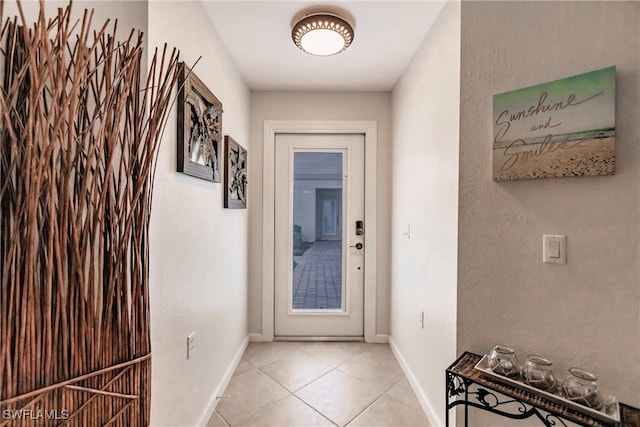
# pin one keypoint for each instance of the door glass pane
(329, 216)
(317, 282)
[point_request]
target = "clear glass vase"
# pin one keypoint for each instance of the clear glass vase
(538, 373)
(580, 386)
(503, 361)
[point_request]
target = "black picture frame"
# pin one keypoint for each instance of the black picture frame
(199, 128)
(235, 176)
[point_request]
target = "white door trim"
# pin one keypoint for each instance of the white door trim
(370, 131)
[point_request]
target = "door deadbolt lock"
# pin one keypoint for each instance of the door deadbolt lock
(359, 228)
(358, 246)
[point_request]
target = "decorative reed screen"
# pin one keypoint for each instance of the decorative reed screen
(80, 130)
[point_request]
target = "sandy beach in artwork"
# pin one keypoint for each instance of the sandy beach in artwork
(592, 156)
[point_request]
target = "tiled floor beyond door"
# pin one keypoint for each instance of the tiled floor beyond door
(287, 384)
(317, 276)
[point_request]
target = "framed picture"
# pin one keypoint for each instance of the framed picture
(199, 128)
(561, 128)
(235, 177)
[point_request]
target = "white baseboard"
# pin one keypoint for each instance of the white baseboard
(377, 339)
(256, 337)
(380, 339)
(427, 407)
(213, 401)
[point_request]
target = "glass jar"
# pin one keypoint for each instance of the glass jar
(538, 373)
(580, 387)
(503, 361)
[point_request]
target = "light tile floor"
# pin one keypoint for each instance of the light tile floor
(287, 384)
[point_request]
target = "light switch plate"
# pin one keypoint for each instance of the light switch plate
(554, 249)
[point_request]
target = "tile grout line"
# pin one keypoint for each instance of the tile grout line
(304, 385)
(223, 418)
(261, 409)
(349, 376)
(384, 393)
(364, 410)
(421, 413)
(314, 409)
(291, 393)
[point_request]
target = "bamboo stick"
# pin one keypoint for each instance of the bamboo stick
(102, 392)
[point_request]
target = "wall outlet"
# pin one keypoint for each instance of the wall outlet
(421, 319)
(406, 230)
(191, 345)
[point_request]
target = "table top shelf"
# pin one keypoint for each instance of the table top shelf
(464, 367)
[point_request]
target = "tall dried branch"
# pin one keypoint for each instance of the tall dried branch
(80, 128)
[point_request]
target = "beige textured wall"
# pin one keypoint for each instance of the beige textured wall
(320, 106)
(585, 313)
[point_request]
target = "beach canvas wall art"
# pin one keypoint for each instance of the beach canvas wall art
(556, 129)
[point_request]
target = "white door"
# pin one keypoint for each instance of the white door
(319, 255)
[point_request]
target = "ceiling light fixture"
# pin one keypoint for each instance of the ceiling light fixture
(322, 33)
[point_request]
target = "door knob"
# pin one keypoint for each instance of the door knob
(358, 246)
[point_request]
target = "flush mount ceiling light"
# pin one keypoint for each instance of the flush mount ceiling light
(322, 33)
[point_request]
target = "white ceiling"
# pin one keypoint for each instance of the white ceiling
(258, 37)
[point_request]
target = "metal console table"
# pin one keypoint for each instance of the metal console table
(466, 386)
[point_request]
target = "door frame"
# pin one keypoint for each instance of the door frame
(369, 129)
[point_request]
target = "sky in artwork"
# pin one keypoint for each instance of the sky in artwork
(574, 104)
